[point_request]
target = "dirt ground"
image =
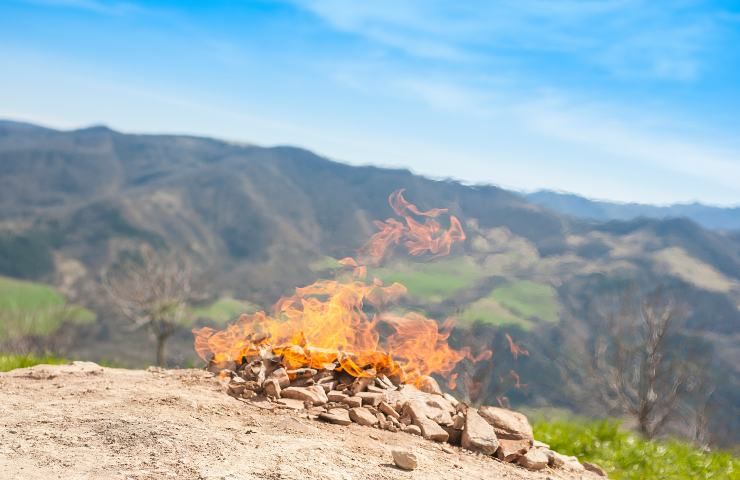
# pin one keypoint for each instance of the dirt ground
(83, 421)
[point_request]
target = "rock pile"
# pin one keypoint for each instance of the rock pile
(380, 402)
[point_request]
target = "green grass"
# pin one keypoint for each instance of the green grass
(627, 456)
(224, 310)
(528, 299)
(11, 362)
(488, 311)
(29, 308)
(432, 281)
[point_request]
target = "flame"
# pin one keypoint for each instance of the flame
(419, 238)
(337, 323)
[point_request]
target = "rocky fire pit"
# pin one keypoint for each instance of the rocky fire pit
(333, 396)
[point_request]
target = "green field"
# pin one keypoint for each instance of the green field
(28, 308)
(11, 362)
(224, 310)
(529, 300)
(627, 456)
(432, 281)
(515, 303)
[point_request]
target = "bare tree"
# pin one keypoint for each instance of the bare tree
(153, 292)
(634, 365)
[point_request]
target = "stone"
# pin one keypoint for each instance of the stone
(353, 401)
(430, 409)
(447, 449)
(360, 385)
(336, 396)
(478, 435)
(281, 375)
(507, 423)
(405, 459)
(362, 416)
(453, 401)
(412, 429)
(236, 386)
(337, 416)
(510, 450)
(301, 373)
(592, 467)
(539, 444)
(291, 403)
(272, 388)
(370, 398)
(374, 389)
(388, 410)
(534, 459)
(428, 384)
(431, 430)
(314, 394)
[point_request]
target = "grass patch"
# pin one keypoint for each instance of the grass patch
(11, 362)
(432, 281)
(224, 310)
(527, 299)
(29, 308)
(488, 311)
(627, 456)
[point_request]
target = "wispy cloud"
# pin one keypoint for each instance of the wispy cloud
(632, 38)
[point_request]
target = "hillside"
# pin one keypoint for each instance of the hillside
(262, 220)
(708, 216)
(83, 421)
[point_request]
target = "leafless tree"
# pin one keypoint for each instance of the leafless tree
(153, 292)
(634, 367)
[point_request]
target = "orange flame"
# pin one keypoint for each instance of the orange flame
(337, 324)
(419, 238)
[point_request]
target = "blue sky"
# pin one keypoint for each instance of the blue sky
(630, 100)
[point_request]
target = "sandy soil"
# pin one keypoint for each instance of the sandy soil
(85, 421)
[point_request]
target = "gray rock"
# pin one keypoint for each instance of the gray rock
(281, 375)
(478, 435)
(534, 459)
(412, 429)
(337, 416)
(314, 394)
(362, 416)
(272, 388)
(405, 459)
(353, 401)
(507, 423)
(335, 396)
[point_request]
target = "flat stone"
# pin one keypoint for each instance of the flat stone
(510, 450)
(592, 467)
(336, 396)
(458, 421)
(405, 459)
(353, 401)
(301, 373)
(362, 416)
(272, 388)
(281, 375)
(388, 410)
(314, 394)
(431, 430)
(370, 398)
(291, 403)
(337, 416)
(431, 409)
(478, 435)
(412, 429)
(507, 423)
(535, 459)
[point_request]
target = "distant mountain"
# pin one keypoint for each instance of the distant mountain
(263, 220)
(715, 218)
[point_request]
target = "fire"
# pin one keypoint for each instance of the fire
(337, 324)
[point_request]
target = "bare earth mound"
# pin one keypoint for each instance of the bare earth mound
(85, 421)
